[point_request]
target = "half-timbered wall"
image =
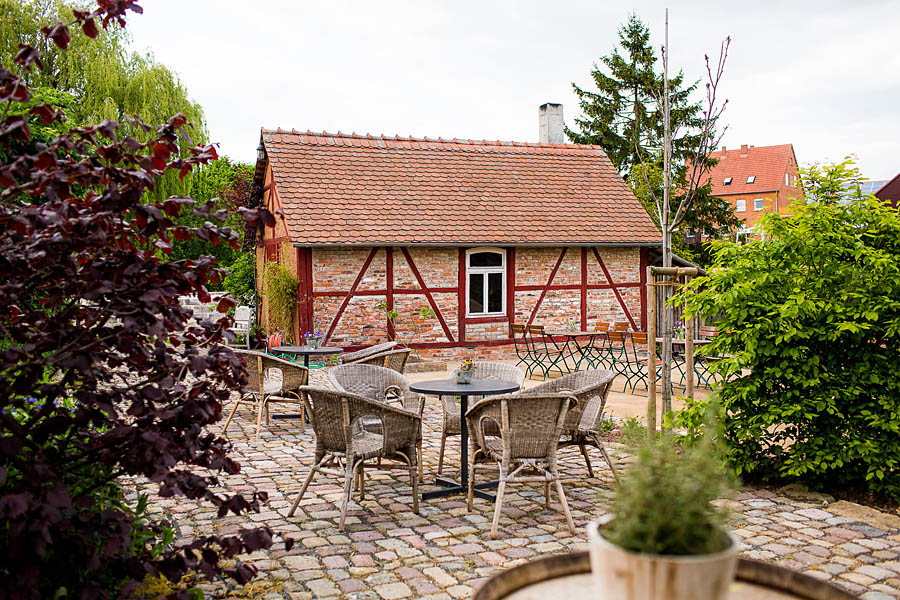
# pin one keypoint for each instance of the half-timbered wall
(547, 286)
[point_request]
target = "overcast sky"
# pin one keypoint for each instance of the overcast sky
(822, 75)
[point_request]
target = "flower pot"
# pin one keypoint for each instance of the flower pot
(464, 376)
(625, 575)
(313, 342)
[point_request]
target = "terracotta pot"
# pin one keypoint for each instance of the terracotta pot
(625, 575)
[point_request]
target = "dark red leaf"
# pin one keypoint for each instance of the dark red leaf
(59, 33)
(89, 28)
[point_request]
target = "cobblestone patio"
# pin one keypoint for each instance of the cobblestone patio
(388, 552)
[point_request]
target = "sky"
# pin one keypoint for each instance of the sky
(824, 76)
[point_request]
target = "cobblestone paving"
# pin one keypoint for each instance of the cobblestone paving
(387, 552)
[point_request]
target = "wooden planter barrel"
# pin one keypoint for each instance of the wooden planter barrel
(568, 577)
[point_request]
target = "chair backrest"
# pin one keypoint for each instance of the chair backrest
(262, 367)
(519, 335)
(602, 326)
(370, 381)
(498, 371)
(707, 331)
(242, 314)
(352, 357)
(530, 425)
(397, 359)
(620, 326)
(590, 388)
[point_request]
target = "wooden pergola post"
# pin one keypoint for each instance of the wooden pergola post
(651, 354)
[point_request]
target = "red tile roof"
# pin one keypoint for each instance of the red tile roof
(363, 190)
(767, 163)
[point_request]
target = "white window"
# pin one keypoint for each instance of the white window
(787, 179)
(727, 181)
(751, 178)
(757, 204)
(741, 205)
(486, 281)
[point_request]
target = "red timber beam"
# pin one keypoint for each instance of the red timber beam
(350, 294)
(615, 288)
(304, 290)
(389, 285)
(584, 290)
(511, 285)
(427, 292)
(546, 287)
(461, 295)
(396, 291)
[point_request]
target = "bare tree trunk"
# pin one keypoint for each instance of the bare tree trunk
(667, 233)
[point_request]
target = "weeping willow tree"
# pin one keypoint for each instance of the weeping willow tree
(103, 76)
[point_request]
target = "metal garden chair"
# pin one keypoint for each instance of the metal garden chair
(547, 356)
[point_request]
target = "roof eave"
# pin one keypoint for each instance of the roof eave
(476, 244)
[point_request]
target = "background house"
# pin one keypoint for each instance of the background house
(756, 179)
(484, 233)
(888, 191)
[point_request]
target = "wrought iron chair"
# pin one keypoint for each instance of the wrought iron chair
(519, 335)
(584, 420)
(382, 385)
(547, 356)
(340, 440)
(497, 371)
(530, 427)
(271, 380)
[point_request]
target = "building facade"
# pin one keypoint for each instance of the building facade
(483, 234)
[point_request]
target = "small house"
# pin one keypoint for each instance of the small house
(484, 233)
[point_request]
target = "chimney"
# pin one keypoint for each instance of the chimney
(724, 151)
(745, 152)
(550, 120)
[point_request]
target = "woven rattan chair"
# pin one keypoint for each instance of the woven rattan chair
(341, 441)
(381, 384)
(271, 380)
(392, 359)
(530, 427)
(351, 357)
(583, 421)
(497, 371)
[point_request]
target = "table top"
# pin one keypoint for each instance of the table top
(306, 350)
(683, 341)
(560, 332)
(478, 387)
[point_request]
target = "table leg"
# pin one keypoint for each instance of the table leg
(450, 486)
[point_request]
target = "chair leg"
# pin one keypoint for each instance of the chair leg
(306, 482)
(361, 477)
(470, 493)
(259, 414)
(565, 505)
(498, 505)
(419, 461)
(348, 484)
(414, 474)
(302, 417)
(547, 495)
(587, 459)
(609, 461)
(441, 453)
(231, 416)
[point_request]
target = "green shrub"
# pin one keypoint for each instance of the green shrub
(809, 319)
(280, 287)
(241, 279)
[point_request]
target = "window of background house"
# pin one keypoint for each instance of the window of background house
(486, 280)
(757, 204)
(741, 206)
(727, 181)
(751, 178)
(787, 179)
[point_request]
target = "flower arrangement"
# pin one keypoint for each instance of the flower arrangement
(465, 371)
(313, 338)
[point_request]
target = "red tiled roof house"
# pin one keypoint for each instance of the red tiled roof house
(485, 233)
(756, 180)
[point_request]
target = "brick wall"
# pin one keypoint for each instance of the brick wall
(335, 270)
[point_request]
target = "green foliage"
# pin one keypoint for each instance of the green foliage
(622, 116)
(241, 279)
(633, 432)
(664, 505)
(424, 312)
(280, 287)
(810, 317)
(105, 78)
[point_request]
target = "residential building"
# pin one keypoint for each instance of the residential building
(889, 191)
(756, 180)
(484, 233)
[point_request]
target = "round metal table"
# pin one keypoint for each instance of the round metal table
(305, 351)
(449, 387)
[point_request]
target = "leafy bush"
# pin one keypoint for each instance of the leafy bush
(280, 287)
(101, 372)
(241, 279)
(810, 317)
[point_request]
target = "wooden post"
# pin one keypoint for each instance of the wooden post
(651, 355)
(689, 352)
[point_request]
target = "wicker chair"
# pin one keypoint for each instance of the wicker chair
(352, 357)
(392, 359)
(381, 384)
(530, 427)
(265, 387)
(582, 427)
(341, 441)
(483, 370)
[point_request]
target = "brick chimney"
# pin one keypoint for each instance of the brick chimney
(745, 152)
(550, 120)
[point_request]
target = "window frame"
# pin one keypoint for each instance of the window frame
(762, 203)
(751, 179)
(470, 270)
(738, 207)
(727, 181)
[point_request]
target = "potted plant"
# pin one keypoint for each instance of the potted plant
(664, 539)
(465, 371)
